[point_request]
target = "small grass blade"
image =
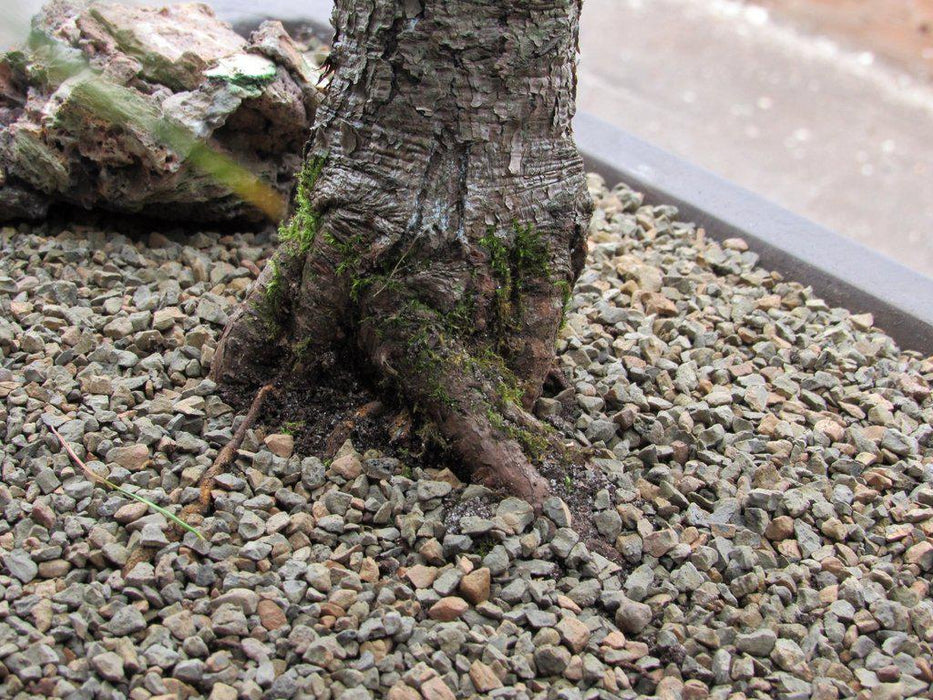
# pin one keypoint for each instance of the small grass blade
(116, 487)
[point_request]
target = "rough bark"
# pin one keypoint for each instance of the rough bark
(440, 222)
(137, 110)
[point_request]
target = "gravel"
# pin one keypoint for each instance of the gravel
(769, 461)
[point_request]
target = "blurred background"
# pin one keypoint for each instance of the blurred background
(823, 106)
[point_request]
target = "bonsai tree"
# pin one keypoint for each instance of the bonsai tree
(440, 224)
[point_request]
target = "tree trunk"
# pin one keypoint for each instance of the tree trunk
(440, 223)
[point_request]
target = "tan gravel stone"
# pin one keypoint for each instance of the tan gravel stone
(348, 466)
(222, 691)
(165, 318)
(448, 608)
(921, 554)
(614, 640)
(130, 512)
(567, 604)
(657, 303)
(475, 585)
(694, 690)
(369, 570)
(421, 576)
(400, 691)
(281, 445)
(780, 528)
(738, 244)
(659, 543)
(830, 429)
(130, 457)
(834, 529)
(483, 677)
(574, 633)
(436, 689)
(271, 615)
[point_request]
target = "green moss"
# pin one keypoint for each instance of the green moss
(566, 295)
(488, 364)
(350, 251)
(292, 427)
(482, 545)
(273, 296)
(535, 445)
(530, 257)
(276, 286)
(498, 262)
(519, 262)
(377, 282)
(516, 264)
(302, 228)
(301, 348)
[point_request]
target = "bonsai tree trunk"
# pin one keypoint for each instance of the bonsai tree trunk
(440, 223)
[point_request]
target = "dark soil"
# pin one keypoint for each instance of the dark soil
(312, 411)
(321, 413)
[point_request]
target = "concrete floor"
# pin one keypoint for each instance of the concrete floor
(828, 133)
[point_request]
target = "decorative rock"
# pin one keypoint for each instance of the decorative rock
(574, 633)
(632, 617)
(180, 63)
(475, 585)
(280, 444)
(448, 608)
(483, 677)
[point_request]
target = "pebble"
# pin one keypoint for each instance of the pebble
(19, 564)
(280, 444)
(475, 586)
(448, 608)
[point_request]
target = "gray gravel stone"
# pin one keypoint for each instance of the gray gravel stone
(19, 564)
(126, 621)
(757, 643)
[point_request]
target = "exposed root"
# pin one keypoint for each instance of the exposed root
(401, 427)
(227, 454)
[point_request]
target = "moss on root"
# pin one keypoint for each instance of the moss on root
(517, 263)
(566, 296)
(270, 305)
(300, 231)
(297, 235)
(439, 347)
